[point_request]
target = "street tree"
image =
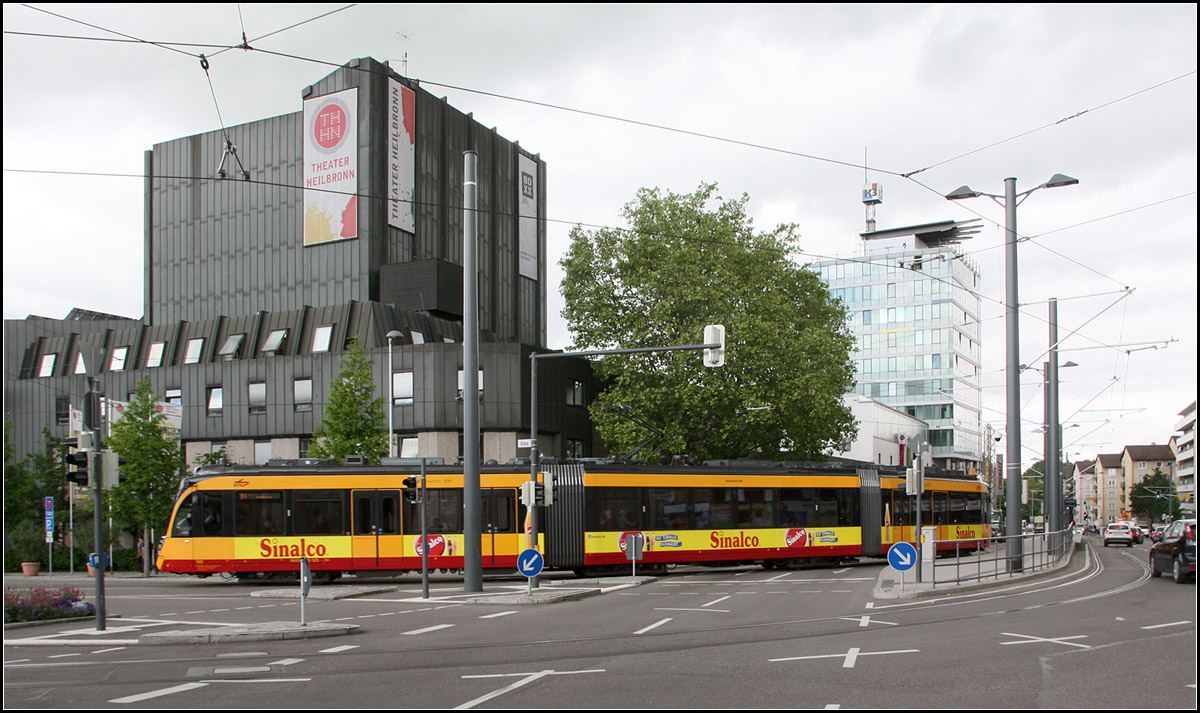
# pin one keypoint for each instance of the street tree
(353, 422)
(685, 261)
(154, 464)
(1151, 498)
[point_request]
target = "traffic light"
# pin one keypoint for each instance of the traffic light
(77, 460)
(113, 476)
(410, 489)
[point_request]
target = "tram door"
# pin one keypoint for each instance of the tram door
(498, 509)
(376, 539)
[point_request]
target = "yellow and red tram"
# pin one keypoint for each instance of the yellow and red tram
(258, 520)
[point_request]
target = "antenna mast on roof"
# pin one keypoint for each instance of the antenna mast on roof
(872, 195)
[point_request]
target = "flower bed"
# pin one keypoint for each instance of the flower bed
(42, 604)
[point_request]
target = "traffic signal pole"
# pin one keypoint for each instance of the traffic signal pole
(92, 422)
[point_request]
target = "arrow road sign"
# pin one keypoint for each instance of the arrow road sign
(902, 556)
(530, 563)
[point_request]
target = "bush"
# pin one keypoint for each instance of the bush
(41, 604)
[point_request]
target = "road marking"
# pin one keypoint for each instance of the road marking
(1035, 639)
(160, 692)
(427, 629)
(285, 662)
(498, 614)
(528, 678)
(1162, 626)
(719, 611)
(337, 649)
(715, 601)
(850, 657)
(62, 656)
(653, 626)
(866, 620)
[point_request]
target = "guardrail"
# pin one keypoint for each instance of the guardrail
(1039, 551)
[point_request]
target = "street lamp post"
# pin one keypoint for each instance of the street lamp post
(391, 337)
(1010, 201)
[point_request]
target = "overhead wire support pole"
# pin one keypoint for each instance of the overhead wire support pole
(534, 453)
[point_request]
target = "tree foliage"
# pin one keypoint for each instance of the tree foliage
(29, 480)
(1152, 498)
(687, 261)
(353, 422)
(154, 464)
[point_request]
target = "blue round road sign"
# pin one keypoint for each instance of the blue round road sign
(530, 563)
(902, 556)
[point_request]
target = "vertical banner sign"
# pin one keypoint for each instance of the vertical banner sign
(50, 520)
(402, 155)
(527, 210)
(331, 167)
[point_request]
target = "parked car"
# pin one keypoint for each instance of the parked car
(1119, 533)
(1176, 552)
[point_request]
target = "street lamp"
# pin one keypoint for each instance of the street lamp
(1010, 200)
(392, 336)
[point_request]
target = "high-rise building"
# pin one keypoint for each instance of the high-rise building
(914, 307)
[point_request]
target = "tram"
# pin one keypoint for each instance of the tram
(254, 521)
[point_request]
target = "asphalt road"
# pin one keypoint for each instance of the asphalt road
(1099, 634)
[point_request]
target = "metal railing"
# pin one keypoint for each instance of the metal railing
(966, 562)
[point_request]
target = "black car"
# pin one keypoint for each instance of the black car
(1176, 551)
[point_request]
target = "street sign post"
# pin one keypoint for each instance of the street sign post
(530, 564)
(50, 531)
(902, 556)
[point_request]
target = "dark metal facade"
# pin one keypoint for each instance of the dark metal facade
(231, 246)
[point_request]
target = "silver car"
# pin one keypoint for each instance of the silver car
(1119, 533)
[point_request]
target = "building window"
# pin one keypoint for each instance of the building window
(408, 447)
(232, 348)
(322, 336)
(62, 410)
(47, 368)
(194, 347)
(460, 385)
(215, 400)
(417, 337)
(154, 358)
(80, 365)
(118, 359)
(575, 393)
(574, 448)
(302, 392)
(402, 388)
(275, 342)
(257, 393)
(174, 396)
(304, 443)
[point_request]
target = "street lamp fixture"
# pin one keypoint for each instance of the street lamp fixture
(1010, 200)
(392, 336)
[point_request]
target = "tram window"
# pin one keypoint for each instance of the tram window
(362, 515)
(443, 513)
(668, 508)
(318, 512)
(258, 513)
(183, 518)
(901, 509)
(974, 508)
(958, 509)
(209, 504)
(615, 509)
(756, 507)
(848, 513)
(499, 518)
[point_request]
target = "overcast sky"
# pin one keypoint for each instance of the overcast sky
(972, 93)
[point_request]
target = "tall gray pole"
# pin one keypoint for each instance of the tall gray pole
(1054, 485)
(473, 520)
(1012, 378)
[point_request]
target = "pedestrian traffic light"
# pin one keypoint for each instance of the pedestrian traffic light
(113, 476)
(714, 356)
(410, 489)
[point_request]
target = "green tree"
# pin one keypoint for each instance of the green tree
(20, 490)
(353, 422)
(1151, 497)
(691, 260)
(154, 464)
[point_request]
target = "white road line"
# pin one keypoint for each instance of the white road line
(1163, 626)
(498, 614)
(285, 662)
(655, 625)
(337, 649)
(160, 692)
(715, 601)
(427, 629)
(719, 611)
